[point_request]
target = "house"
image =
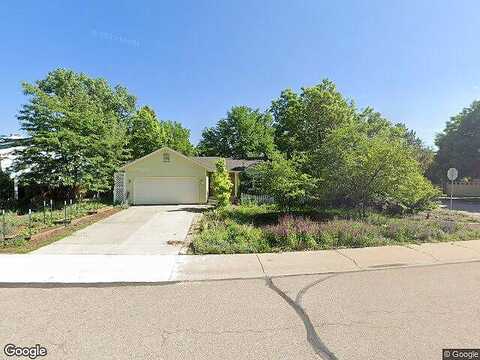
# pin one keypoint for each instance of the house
(168, 177)
(8, 146)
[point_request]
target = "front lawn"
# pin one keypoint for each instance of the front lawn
(255, 228)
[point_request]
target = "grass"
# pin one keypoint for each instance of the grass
(19, 229)
(253, 228)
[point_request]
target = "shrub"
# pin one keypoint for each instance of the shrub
(377, 169)
(243, 229)
(282, 179)
(295, 233)
(229, 238)
(222, 186)
(249, 214)
(347, 233)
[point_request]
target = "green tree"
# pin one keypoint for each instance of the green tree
(288, 118)
(147, 134)
(6, 187)
(244, 134)
(374, 123)
(459, 145)
(175, 136)
(425, 155)
(77, 128)
(302, 122)
(144, 133)
(282, 179)
(221, 184)
(379, 169)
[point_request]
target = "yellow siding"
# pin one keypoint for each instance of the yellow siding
(154, 166)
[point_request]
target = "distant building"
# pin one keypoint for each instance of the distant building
(8, 145)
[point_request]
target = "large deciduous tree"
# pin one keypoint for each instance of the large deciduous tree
(350, 156)
(374, 123)
(244, 134)
(78, 129)
(459, 145)
(147, 134)
(379, 169)
(302, 121)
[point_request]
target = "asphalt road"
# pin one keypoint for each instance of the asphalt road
(470, 206)
(409, 313)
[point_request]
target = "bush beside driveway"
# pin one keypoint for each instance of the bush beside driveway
(259, 229)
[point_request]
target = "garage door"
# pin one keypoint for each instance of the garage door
(165, 190)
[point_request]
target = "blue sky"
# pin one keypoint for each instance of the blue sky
(416, 62)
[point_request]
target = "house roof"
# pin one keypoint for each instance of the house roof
(208, 162)
(191, 158)
(231, 164)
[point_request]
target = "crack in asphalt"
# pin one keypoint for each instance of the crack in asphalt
(302, 291)
(261, 265)
(314, 340)
(312, 337)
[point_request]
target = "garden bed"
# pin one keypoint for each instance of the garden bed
(254, 228)
(42, 231)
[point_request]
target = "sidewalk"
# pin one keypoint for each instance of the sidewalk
(163, 268)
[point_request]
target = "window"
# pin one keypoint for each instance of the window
(166, 157)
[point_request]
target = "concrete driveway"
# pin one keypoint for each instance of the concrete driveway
(138, 230)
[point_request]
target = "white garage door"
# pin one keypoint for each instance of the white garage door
(165, 190)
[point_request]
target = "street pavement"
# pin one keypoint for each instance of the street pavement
(394, 313)
(469, 206)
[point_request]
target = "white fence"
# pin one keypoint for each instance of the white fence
(259, 199)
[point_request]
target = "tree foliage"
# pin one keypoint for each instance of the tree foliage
(379, 169)
(221, 184)
(281, 179)
(302, 121)
(78, 130)
(6, 187)
(337, 153)
(244, 134)
(147, 134)
(81, 130)
(374, 123)
(459, 145)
